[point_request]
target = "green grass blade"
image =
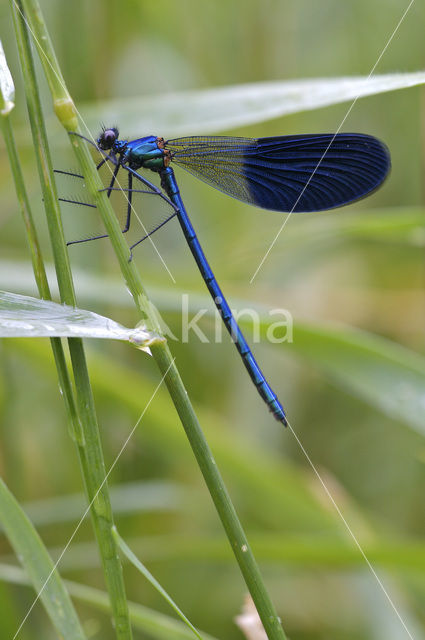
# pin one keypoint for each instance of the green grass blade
(382, 373)
(212, 110)
(88, 437)
(270, 476)
(39, 566)
(27, 317)
(300, 551)
(125, 549)
(7, 86)
(127, 499)
(157, 625)
(32, 239)
(162, 354)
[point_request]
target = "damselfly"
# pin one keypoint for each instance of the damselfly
(287, 174)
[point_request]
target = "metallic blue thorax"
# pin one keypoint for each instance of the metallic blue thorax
(144, 153)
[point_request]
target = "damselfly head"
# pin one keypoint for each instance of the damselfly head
(107, 138)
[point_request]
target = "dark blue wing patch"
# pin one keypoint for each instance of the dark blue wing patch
(288, 173)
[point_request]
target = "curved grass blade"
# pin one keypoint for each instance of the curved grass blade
(7, 87)
(125, 549)
(166, 364)
(300, 550)
(26, 317)
(39, 566)
(384, 374)
(89, 445)
(387, 376)
(212, 110)
(127, 498)
(157, 625)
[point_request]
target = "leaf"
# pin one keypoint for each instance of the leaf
(128, 498)
(39, 566)
(26, 317)
(300, 549)
(401, 225)
(263, 475)
(156, 625)
(380, 372)
(7, 88)
(125, 549)
(211, 110)
(386, 375)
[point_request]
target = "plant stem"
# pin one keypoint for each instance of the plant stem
(38, 268)
(160, 352)
(88, 439)
(180, 398)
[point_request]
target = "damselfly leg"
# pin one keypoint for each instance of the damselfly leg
(128, 192)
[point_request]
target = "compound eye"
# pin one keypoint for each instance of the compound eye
(107, 138)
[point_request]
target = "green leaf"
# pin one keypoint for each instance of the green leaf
(382, 373)
(301, 550)
(401, 225)
(386, 375)
(125, 549)
(128, 498)
(39, 566)
(212, 110)
(157, 625)
(7, 88)
(271, 479)
(26, 317)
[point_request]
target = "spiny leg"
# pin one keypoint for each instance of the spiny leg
(109, 190)
(129, 192)
(129, 201)
(111, 184)
(73, 201)
(68, 173)
(107, 156)
(110, 157)
(101, 163)
(154, 193)
(74, 133)
(151, 186)
(105, 235)
(154, 190)
(148, 235)
(80, 203)
(148, 192)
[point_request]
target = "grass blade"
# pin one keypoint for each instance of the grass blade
(39, 566)
(157, 625)
(161, 353)
(87, 437)
(212, 110)
(27, 317)
(149, 577)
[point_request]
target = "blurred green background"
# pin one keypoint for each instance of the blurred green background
(325, 268)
